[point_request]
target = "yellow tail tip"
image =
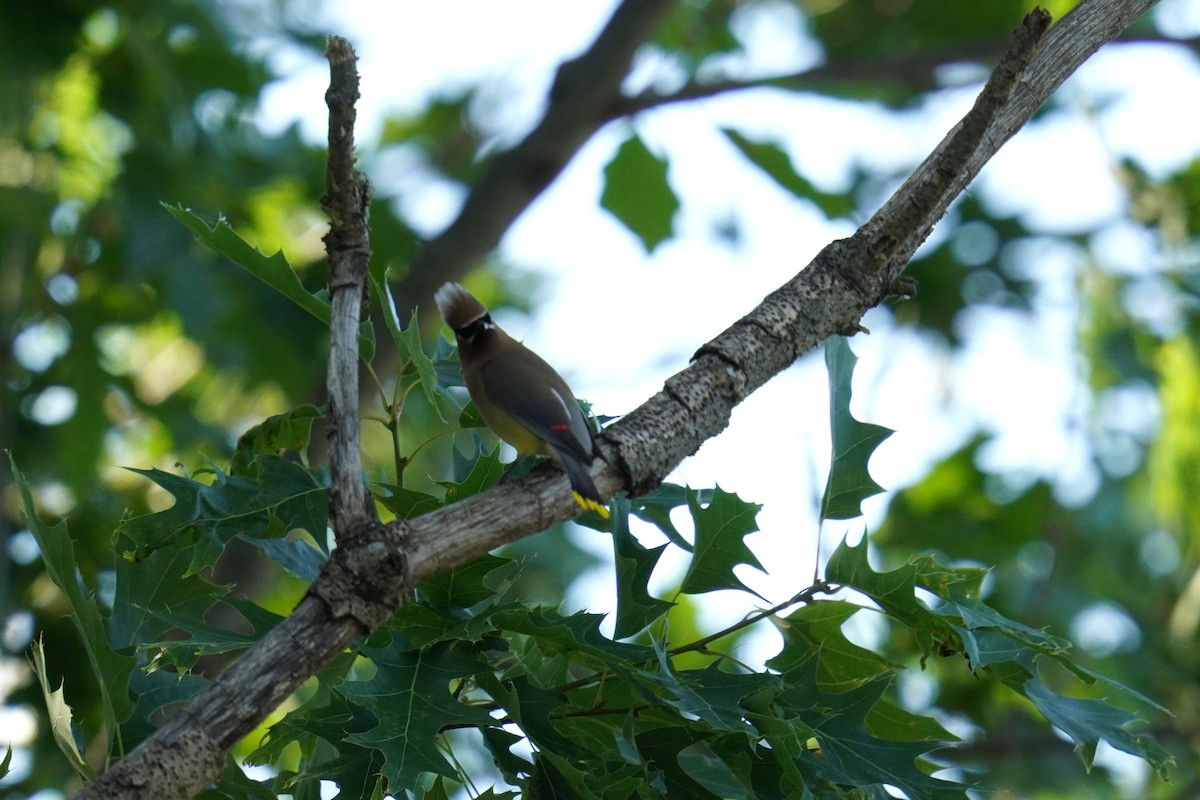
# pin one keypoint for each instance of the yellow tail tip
(589, 504)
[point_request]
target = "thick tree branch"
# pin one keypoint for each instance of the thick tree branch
(363, 582)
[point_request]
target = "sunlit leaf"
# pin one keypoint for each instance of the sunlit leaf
(61, 718)
(484, 472)
(273, 270)
(288, 431)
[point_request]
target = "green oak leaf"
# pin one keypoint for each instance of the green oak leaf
(154, 691)
(655, 507)
(418, 366)
(463, 586)
(1090, 721)
(407, 503)
(895, 593)
(817, 628)
(775, 162)
(288, 431)
(206, 639)
(274, 497)
(636, 607)
(707, 768)
(637, 193)
(710, 694)
(410, 696)
(849, 481)
(1009, 650)
(483, 472)
(275, 271)
(721, 527)
(848, 752)
(110, 668)
(162, 581)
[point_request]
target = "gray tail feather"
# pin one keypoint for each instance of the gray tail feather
(579, 474)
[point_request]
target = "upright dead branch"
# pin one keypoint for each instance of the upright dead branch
(346, 201)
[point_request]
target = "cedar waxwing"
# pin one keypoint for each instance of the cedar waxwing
(520, 397)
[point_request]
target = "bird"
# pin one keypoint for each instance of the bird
(521, 398)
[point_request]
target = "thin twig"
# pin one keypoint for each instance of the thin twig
(804, 596)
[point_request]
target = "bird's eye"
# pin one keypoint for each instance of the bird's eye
(475, 328)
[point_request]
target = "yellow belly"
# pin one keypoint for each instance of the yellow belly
(506, 426)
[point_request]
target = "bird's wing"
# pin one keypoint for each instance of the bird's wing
(551, 412)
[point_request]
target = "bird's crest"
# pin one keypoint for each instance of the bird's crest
(458, 306)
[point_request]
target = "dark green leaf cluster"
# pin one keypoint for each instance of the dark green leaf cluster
(561, 706)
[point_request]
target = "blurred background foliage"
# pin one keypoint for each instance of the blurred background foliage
(124, 343)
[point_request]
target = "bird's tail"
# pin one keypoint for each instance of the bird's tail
(582, 486)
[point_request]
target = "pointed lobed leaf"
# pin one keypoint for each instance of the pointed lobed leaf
(1089, 721)
(721, 527)
(849, 753)
(636, 607)
(484, 472)
(410, 696)
(162, 581)
(154, 691)
(206, 639)
(408, 342)
(499, 743)
(420, 363)
(464, 586)
(407, 503)
(849, 480)
(110, 668)
(895, 593)
(637, 193)
(61, 717)
(531, 708)
(578, 634)
(775, 162)
(275, 271)
(275, 496)
(295, 553)
(711, 694)
(817, 628)
(288, 431)
(322, 729)
(655, 507)
(1010, 650)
